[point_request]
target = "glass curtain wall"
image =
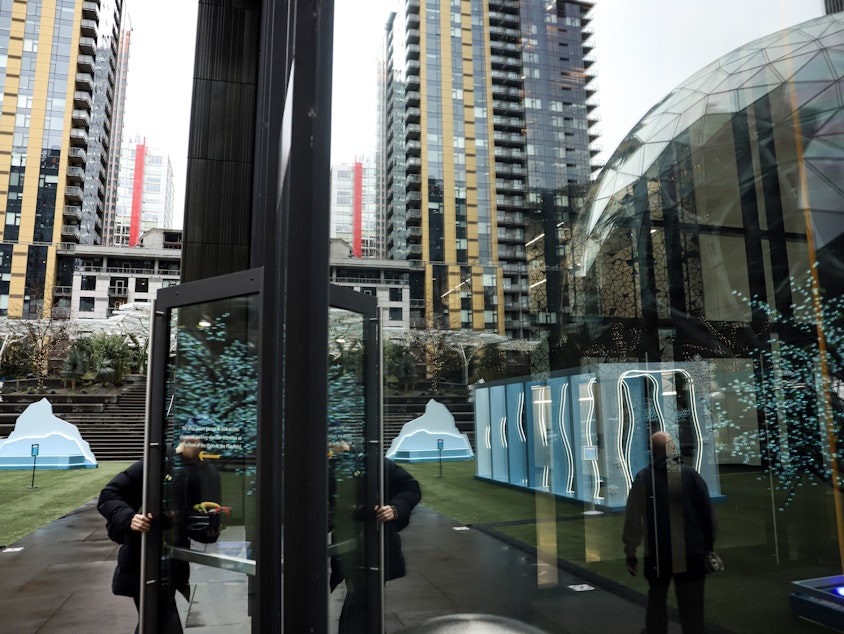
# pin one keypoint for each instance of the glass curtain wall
(694, 288)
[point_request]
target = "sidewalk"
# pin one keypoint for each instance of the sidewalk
(61, 582)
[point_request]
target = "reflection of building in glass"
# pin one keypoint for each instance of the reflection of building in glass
(353, 205)
(486, 137)
(833, 6)
(145, 194)
(58, 76)
(713, 228)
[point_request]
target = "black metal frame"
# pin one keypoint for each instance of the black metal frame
(208, 290)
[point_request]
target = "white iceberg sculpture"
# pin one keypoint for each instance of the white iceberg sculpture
(60, 445)
(420, 439)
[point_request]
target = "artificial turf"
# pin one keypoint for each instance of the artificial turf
(58, 492)
(765, 543)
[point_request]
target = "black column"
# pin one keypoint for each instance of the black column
(218, 196)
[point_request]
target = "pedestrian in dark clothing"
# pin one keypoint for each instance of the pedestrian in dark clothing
(669, 507)
(401, 495)
(120, 503)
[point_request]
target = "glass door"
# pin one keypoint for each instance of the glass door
(201, 558)
(355, 464)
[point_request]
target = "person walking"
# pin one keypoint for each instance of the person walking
(669, 508)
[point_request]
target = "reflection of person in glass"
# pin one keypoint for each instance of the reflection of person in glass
(669, 507)
(401, 495)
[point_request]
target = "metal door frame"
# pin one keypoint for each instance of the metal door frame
(222, 287)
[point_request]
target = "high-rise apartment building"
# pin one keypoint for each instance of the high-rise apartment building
(59, 59)
(145, 191)
(486, 139)
(117, 127)
(353, 205)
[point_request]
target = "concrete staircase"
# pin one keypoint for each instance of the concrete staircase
(113, 425)
(401, 409)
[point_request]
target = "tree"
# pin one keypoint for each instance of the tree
(43, 337)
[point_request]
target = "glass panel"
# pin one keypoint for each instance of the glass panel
(351, 506)
(209, 474)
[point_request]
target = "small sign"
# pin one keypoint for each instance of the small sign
(34, 449)
(581, 587)
(13, 550)
(440, 443)
(460, 528)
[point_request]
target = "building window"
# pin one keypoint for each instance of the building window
(142, 285)
(86, 304)
(395, 313)
(89, 283)
(395, 294)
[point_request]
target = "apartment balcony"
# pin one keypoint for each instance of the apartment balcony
(500, 121)
(81, 118)
(506, 107)
(75, 174)
(62, 291)
(82, 99)
(412, 36)
(589, 60)
(70, 233)
(508, 77)
(414, 148)
(592, 104)
(72, 212)
(594, 134)
(503, 45)
(91, 10)
(412, 67)
(510, 218)
(77, 156)
(118, 291)
(504, 62)
(412, 82)
(78, 137)
(509, 185)
(504, 5)
(595, 149)
(411, 20)
(515, 236)
(88, 28)
(413, 115)
(414, 198)
(413, 51)
(413, 217)
(73, 193)
(414, 251)
(414, 181)
(413, 97)
(86, 63)
(509, 169)
(509, 138)
(414, 165)
(85, 82)
(505, 153)
(414, 234)
(88, 45)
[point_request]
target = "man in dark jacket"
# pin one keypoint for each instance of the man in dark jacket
(669, 506)
(119, 503)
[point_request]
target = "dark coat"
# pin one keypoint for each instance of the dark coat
(119, 501)
(402, 492)
(654, 512)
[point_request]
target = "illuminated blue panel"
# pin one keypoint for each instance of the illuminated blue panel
(498, 434)
(518, 406)
(560, 438)
(483, 449)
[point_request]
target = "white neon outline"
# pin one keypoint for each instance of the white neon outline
(520, 417)
(488, 437)
(651, 376)
(566, 442)
(596, 490)
(503, 432)
(540, 418)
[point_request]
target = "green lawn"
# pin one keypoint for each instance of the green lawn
(764, 550)
(22, 510)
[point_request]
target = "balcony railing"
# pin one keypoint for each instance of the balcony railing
(72, 212)
(73, 192)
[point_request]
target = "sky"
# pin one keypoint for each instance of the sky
(644, 48)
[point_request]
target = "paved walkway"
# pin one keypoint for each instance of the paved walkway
(60, 581)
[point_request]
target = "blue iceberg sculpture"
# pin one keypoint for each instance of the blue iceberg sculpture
(60, 445)
(420, 439)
